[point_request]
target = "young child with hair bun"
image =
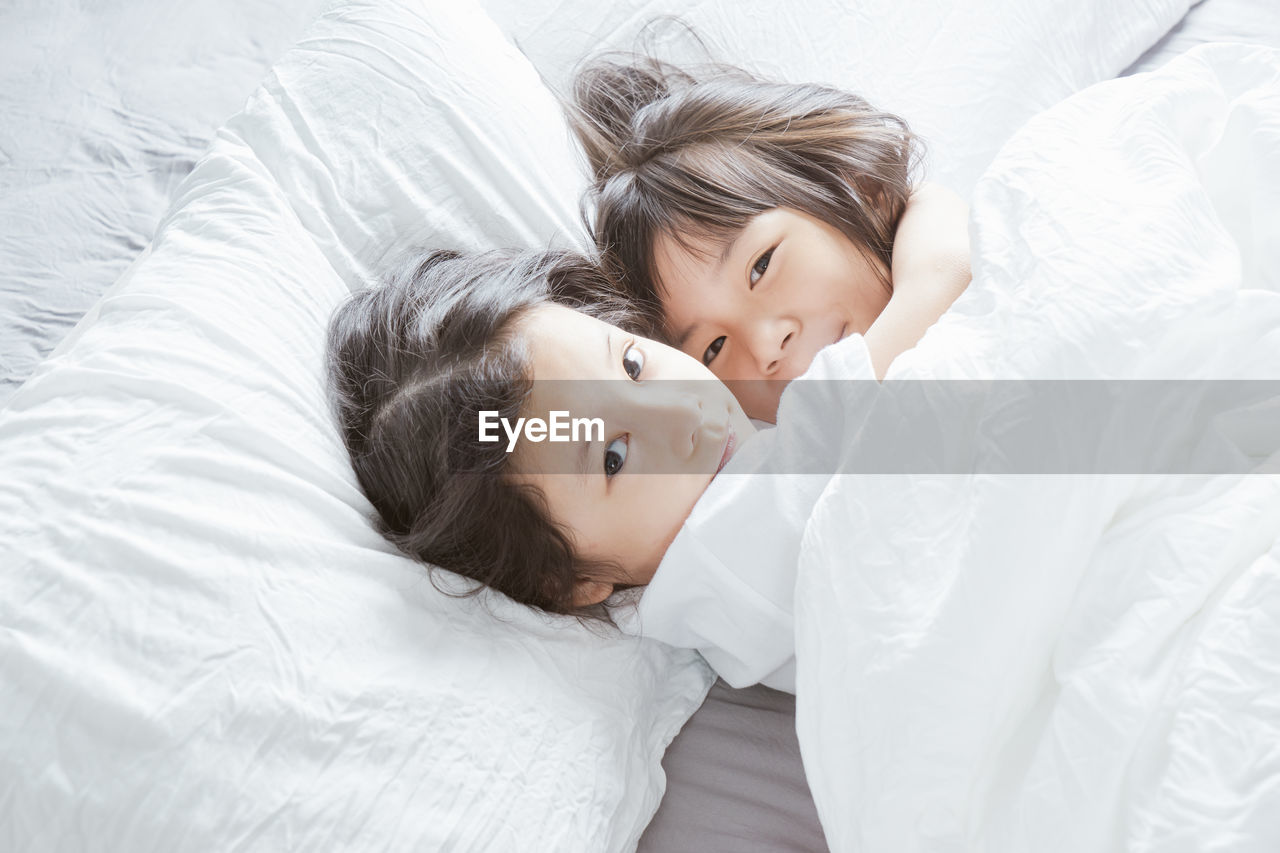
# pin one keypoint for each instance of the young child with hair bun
(753, 223)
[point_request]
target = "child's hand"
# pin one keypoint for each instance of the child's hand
(930, 269)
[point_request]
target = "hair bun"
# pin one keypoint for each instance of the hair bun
(608, 95)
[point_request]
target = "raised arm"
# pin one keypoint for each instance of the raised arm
(930, 269)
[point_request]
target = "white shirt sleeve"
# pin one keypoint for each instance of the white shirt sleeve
(726, 586)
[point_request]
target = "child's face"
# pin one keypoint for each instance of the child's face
(669, 426)
(789, 285)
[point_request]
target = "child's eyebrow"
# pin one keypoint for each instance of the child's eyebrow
(583, 447)
(584, 467)
(683, 337)
(728, 247)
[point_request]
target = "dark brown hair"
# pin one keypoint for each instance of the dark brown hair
(697, 156)
(411, 363)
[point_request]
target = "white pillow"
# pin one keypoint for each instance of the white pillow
(965, 76)
(205, 644)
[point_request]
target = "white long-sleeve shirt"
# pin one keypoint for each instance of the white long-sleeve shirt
(726, 586)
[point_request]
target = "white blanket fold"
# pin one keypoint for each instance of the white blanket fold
(1003, 662)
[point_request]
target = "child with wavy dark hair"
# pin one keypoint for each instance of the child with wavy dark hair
(414, 366)
(754, 223)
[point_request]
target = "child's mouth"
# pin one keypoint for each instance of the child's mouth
(728, 450)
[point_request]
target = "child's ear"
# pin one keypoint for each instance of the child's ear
(587, 592)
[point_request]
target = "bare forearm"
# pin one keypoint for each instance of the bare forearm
(910, 313)
(930, 270)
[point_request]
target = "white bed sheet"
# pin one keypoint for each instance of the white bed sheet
(108, 108)
(1238, 21)
(204, 642)
(1014, 659)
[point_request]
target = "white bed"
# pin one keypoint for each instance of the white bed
(201, 651)
(108, 108)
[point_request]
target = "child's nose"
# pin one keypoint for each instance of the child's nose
(674, 410)
(767, 342)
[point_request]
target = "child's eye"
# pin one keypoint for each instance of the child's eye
(713, 351)
(615, 456)
(759, 267)
(633, 362)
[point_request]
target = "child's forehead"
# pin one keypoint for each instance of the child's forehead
(699, 240)
(566, 344)
(680, 256)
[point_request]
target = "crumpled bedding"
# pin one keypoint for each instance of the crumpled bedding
(1210, 21)
(107, 106)
(205, 644)
(1003, 661)
(198, 665)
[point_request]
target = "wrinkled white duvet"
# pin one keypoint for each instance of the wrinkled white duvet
(1074, 663)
